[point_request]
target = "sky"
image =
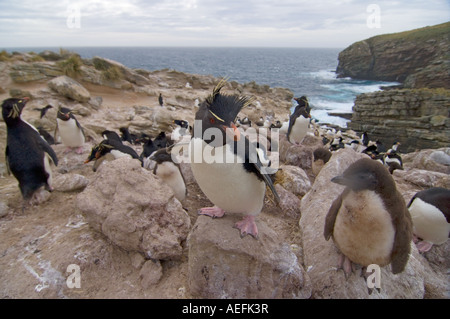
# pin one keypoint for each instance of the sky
(210, 23)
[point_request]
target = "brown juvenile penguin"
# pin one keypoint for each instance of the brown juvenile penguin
(369, 221)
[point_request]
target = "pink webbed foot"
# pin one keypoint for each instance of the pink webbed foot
(67, 150)
(346, 265)
(79, 150)
(423, 246)
(247, 226)
(214, 212)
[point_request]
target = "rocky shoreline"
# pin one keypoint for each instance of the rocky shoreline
(132, 239)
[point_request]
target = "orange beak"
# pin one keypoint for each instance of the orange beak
(233, 132)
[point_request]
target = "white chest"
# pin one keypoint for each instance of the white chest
(299, 129)
(222, 177)
(71, 134)
(363, 229)
(428, 222)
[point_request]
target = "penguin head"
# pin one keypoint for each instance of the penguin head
(303, 102)
(182, 123)
(12, 109)
(64, 113)
(219, 111)
(99, 150)
(365, 174)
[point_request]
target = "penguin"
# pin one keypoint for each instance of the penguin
(169, 172)
(70, 130)
(337, 144)
(28, 155)
(182, 129)
(365, 139)
(43, 110)
(299, 122)
(161, 140)
(260, 122)
(321, 156)
(127, 136)
(393, 160)
(160, 100)
(430, 213)
(111, 135)
(277, 124)
(394, 147)
(110, 147)
(369, 221)
(225, 163)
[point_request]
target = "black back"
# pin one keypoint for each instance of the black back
(25, 150)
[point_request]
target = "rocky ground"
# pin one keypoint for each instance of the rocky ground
(132, 239)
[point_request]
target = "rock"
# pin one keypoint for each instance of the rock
(3, 209)
(429, 159)
(19, 93)
(151, 273)
(96, 102)
(395, 57)
(224, 265)
(135, 210)
(70, 88)
(28, 72)
(321, 257)
(289, 203)
(424, 178)
(294, 179)
(417, 118)
(50, 55)
(70, 182)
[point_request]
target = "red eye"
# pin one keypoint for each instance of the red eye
(211, 120)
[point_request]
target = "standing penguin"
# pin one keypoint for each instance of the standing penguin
(160, 100)
(70, 130)
(28, 155)
(430, 213)
(369, 221)
(169, 172)
(225, 164)
(299, 121)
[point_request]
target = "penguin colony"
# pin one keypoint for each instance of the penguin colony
(369, 209)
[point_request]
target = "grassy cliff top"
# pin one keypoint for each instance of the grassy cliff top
(420, 35)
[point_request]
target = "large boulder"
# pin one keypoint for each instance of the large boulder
(70, 88)
(224, 265)
(28, 72)
(135, 210)
(321, 257)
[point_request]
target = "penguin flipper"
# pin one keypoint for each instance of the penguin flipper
(80, 127)
(253, 159)
(48, 149)
(331, 216)
(402, 242)
(8, 169)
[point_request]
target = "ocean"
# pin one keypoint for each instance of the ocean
(305, 71)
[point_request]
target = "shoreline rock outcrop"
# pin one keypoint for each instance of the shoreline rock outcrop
(417, 118)
(417, 58)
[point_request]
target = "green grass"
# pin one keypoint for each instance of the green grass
(110, 72)
(71, 66)
(420, 35)
(4, 56)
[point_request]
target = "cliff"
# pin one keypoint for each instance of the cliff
(417, 58)
(417, 118)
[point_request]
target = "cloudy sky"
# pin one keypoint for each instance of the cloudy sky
(242, 23)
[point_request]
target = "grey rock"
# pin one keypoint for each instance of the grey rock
(70, 88)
